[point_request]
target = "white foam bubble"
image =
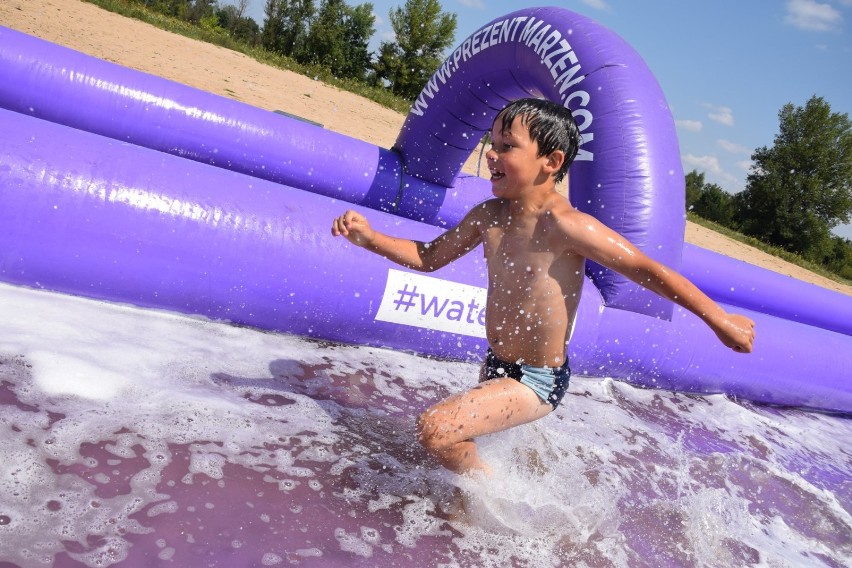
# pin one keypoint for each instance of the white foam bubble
(271, 559)
(60, 374)
(181, 404)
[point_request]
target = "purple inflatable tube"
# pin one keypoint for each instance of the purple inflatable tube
(87, 215)
(627, 172)
(70, 88)
(104, 218)
(61, 85)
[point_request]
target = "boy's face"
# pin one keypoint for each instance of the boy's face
(513, 160)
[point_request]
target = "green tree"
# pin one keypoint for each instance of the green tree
(387, 65)
(708, 200)
(198, 10)
(694, 185)
(801, 187)
(338, 38)
(839, 259)
(285, 26)
(233, 18)
(174, 8)
(715, 204)
(360, 27)
(422, 33)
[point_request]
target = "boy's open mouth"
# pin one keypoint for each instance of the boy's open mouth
(495, 175)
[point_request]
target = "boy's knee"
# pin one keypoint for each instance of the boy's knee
(428, 433)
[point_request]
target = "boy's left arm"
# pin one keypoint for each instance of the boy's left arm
(597, 242)
(735, 331)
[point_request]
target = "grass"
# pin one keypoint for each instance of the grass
(384, 97)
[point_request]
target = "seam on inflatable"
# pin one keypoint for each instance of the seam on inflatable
(399, 192)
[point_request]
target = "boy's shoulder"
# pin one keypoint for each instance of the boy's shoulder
(488, 208)
(566, 219)
(560, 208)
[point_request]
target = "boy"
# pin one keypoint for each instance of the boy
(535, 245)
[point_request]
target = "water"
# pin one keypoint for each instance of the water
(141, 438)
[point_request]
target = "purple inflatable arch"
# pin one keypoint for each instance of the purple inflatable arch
(627, 172)
(91, 207)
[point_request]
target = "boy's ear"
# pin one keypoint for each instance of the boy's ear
(554, 161)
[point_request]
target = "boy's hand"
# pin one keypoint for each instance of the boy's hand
(736, 332)
(354, 227)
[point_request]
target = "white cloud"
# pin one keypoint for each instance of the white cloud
(813, 16)
(706, 163)
(691, 125)
(715, 173)
(479, 4)
(596, 4)
(745, 165)
(732, 147)
(721, 114)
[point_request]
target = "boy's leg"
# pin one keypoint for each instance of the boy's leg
(447, 429)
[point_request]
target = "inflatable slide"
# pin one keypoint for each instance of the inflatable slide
(125, 187)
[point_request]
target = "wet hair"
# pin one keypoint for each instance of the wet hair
(551, 125)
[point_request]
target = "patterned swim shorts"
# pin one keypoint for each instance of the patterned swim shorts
(549, 383)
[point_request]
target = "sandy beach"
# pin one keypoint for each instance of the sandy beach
(91, 30)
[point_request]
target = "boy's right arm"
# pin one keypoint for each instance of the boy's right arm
(420, 256)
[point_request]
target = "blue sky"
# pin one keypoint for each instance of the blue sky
(726, 66)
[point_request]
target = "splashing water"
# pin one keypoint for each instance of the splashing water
(135, 437)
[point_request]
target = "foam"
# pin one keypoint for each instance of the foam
(59, 374)
(265, 449)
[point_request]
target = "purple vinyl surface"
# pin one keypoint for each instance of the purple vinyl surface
(70, 88)
(100, 202)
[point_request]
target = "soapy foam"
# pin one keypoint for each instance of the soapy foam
(135, 434)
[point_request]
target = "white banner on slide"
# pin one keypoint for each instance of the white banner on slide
(432, 303)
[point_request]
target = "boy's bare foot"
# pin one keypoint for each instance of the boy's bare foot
(452, 507)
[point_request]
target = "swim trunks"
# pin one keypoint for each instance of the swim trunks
(549, 383)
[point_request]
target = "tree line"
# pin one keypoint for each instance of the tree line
(798, 190)
(335, 35)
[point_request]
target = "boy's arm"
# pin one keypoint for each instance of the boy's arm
(424, 257)
(595, 241)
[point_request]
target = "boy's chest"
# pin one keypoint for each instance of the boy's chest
(528, 256)
(517, 250)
